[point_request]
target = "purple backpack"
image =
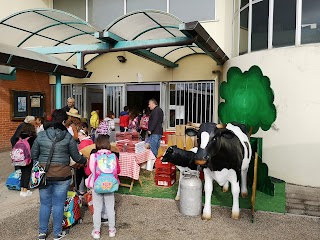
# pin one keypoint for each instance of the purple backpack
(21, 154)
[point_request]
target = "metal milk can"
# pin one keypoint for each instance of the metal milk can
(191, 193)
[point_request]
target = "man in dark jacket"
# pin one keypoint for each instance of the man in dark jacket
(70, 104)
(155, 130)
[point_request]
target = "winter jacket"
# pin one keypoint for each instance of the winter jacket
(65, 148)
(155, 121)
(91, 165)
(85, 142)
(94, 120)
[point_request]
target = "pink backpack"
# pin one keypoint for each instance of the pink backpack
(144, 122)
(21, 153)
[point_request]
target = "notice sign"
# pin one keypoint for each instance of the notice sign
(35, 101)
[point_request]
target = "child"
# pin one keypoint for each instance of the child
(85, 140)
(104, 199)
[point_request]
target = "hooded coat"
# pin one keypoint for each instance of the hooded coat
(65, 148)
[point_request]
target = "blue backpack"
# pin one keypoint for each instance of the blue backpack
(13, 181)
(105, 166)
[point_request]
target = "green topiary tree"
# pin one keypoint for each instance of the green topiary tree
(248, 99)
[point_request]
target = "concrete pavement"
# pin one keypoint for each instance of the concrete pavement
(147, 218)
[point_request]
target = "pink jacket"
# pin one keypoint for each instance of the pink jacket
(91, 168)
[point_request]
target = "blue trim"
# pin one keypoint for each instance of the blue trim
(12, 76)
(71, 48)
(58, 92)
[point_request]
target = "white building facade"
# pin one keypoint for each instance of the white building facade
(280, 36)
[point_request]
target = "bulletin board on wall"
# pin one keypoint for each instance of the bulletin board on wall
(24, 103)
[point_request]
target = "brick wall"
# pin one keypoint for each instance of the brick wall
(25, 80)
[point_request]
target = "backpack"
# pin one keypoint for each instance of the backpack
(144, 122)
(21, 154)
(105, 166)
(103, 128)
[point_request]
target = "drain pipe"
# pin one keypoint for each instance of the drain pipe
(101, 51)
(218, 73)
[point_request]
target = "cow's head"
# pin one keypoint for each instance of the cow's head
(209, 141)
(179, 157)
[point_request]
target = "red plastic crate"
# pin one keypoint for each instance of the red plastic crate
(165, 180)
(164, 168)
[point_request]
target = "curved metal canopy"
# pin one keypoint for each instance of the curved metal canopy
(155, 35)
(154, 25)
(46, 28)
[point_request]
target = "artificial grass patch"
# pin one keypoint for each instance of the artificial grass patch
(264, 202)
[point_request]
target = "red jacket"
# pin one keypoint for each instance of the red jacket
(124, 121)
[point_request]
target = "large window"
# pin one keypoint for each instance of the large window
(191, 102)
(134, 5)
(103, 12)
(75, 7)
(259, 34)
(264, 24)
(190, 10)
(243, 48)
(310, 25)
(284, 23)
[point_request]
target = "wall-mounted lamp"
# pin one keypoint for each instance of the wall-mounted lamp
(121, 59)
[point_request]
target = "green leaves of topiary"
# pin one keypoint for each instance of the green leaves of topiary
(248, 99)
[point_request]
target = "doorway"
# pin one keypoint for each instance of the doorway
(138, 95)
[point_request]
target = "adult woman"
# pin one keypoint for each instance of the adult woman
(53, 195)
(27, 131)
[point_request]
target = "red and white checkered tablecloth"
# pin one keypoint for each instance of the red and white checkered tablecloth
(130, 163)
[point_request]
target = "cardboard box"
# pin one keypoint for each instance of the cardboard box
(180, 130)
(181, 141)
(172, 140)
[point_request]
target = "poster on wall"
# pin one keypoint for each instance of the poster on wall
(22, 104)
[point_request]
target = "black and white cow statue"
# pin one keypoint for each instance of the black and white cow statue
(225, 154)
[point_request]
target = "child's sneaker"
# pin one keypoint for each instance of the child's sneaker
(26, 194)
(112, 233)
(95, 234)
(42, 236)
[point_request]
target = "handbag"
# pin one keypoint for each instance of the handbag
(38, 176)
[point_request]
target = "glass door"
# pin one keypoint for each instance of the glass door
(114, 98)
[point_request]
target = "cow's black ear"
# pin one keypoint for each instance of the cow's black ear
(191, 132)
(227, 134)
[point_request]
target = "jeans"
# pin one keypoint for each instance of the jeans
(154, 140)
(53, 196)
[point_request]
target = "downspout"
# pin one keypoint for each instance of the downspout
(218, 73)
(100, 51)
(58, 92)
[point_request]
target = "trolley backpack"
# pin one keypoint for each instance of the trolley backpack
(13, 181)
(105, 166)
(21, 154)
